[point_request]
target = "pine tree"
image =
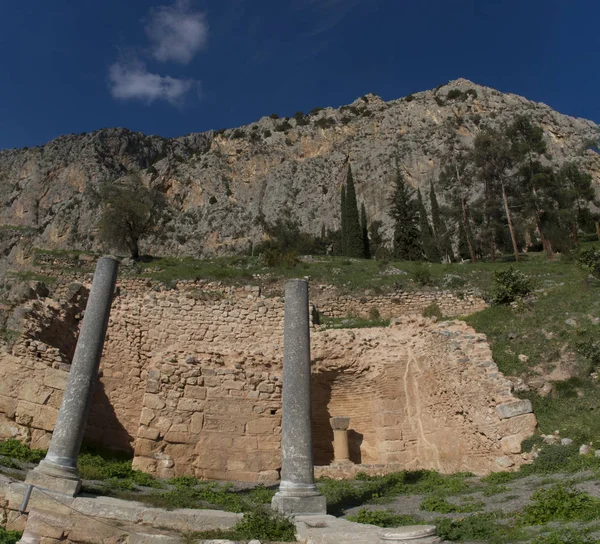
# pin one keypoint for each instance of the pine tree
(407, 241)
(440, 230)
(427, 239)
(353, 237)
(343, 227)
(365, 232)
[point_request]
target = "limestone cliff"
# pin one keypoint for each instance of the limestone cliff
(222, 186)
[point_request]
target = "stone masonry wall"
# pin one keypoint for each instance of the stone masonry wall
(190, 383)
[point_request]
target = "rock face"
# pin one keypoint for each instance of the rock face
(223, 186)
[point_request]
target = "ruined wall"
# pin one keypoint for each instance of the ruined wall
(190, 384)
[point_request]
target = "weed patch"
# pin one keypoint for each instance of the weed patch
(9, 537)
(563, 503)
(14, 449)
(383, 518)
(479, 527)
(263, 525)
(435, 503)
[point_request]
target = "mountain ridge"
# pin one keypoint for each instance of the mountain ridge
(224, 186)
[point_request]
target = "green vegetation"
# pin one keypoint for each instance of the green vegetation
(509, 286)
(352, 322)
(561, 503)
(437, 503)
(407, 244)
(14, 449)
(260, 524)
(130, 211)
(383, 518)
(478, 527)
(352, 232)
(9, 537)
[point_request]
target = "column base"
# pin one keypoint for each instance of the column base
(54, 482)
(314, 504)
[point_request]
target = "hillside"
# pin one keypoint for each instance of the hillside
(224, 186)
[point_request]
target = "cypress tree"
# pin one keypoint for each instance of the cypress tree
(365, 232)
(440, 231)
(430, 248)
(343, 227)
(407, 241)
(353, 236)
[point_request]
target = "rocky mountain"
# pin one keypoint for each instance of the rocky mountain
(223, 186)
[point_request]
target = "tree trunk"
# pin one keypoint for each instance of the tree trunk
(510, 223)
(465, 217)
(598, 229)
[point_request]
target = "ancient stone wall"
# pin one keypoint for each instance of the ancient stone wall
(190, 383)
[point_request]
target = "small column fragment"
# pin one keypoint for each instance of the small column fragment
(341, 452)
(58, 471)
(297, 492)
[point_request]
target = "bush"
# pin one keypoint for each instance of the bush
(409, 98)
(479, 527)
(437, 503)
(274, 258)
(454, 94)
(589, 261)
(9, 537)
(274, 116)
(283, 126)
(563, 503)
(433, 310)
(422, 276)
(16, 450)
(238, 133)
(509, 286)
(325, 122)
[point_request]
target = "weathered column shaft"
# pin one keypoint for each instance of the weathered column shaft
(61, 459)
(297, 492)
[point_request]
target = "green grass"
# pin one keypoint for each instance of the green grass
(13, 449)
(30, 275)
(344, 494)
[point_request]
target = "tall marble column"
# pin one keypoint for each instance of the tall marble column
(58, 471)
(297, 491)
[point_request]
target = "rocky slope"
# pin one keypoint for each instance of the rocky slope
(222, 186)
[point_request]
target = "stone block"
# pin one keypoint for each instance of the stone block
(513, 409)
(179, 437)
(262, 425)
(146, 416)
(224, 424)
(144, 464)
(45, 418)
(57, 379)
(191, 405)
(8, 406)
(26, 412)
(195, 392)
(153, 402)
(146, 448)
(308, 505)
(196, 422)
(511, 444)
(148, 433)
(525, 424)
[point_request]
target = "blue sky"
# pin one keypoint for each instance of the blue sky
(173, 67)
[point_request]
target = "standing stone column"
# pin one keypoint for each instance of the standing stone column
(297, 492)
(58, 471)
(341, 451)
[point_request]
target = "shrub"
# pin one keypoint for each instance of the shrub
(509, 286)
(16, 450)
(589, 261)
(374, 313)
(437, 503)
(409, 98)
(433, 310)
(267, 133)
(422, 276)
(283, 126)
(325, 122)
(479, 527)
(238, 133)
(470, 92)
(275, 258)
(439, 101)
(454, 94)
(9, 537)
(274, 116)
(560, 502)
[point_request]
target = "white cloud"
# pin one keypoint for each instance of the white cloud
(131, 80)
(176, 32)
